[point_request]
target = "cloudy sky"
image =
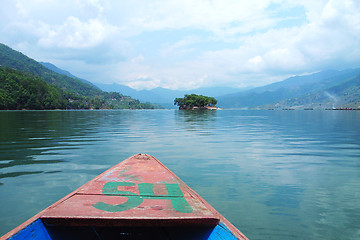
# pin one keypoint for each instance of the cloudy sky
(185, 44)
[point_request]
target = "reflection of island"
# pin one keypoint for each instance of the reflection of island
(196, 120)
(196, 102)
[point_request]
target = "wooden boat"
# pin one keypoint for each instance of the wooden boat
(137, 199)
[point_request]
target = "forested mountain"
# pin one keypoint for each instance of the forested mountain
(16, 60)
(19, 90)
(285, 92)
(25, 83)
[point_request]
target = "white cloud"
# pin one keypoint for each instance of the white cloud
(90, 8)
(256, 63)
(137, 59)
(179, 48)
(217, 16)
(76, 34)
(186, 44)
(144, 83)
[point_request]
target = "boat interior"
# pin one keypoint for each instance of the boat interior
(40, 230)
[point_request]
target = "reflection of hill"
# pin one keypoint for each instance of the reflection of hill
(36, 138)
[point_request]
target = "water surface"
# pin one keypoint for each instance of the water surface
(273, 174)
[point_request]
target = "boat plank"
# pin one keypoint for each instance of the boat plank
(138, 190)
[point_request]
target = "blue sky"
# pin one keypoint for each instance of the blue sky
(185, 44)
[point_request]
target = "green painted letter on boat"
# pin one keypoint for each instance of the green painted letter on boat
(146, 191)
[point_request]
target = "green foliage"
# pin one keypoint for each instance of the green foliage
(26, 84)
(193, 100)
(19, 90)
(16, 60)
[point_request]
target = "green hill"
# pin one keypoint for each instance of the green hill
(343, 95)
(25, 83)
(16, 60)
(19, 90)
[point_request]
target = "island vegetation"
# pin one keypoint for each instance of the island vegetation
(194, 101)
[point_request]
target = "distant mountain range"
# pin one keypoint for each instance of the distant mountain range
(165, 97)
(53, 68)
(345, 94)
(326, 89)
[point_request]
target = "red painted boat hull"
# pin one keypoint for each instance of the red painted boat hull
(138, 192)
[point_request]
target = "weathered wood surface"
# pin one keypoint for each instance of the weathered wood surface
(138, 191)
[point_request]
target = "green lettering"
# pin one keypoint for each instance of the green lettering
(146, 190)
(178, 201)
(111, 188)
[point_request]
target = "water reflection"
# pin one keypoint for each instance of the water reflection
(40, 137)
(17, 174)
(196, 120)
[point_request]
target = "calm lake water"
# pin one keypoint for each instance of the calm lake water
(273, 174)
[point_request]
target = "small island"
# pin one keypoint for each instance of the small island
(193, 101)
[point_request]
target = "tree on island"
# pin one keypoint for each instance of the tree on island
(191, 101)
